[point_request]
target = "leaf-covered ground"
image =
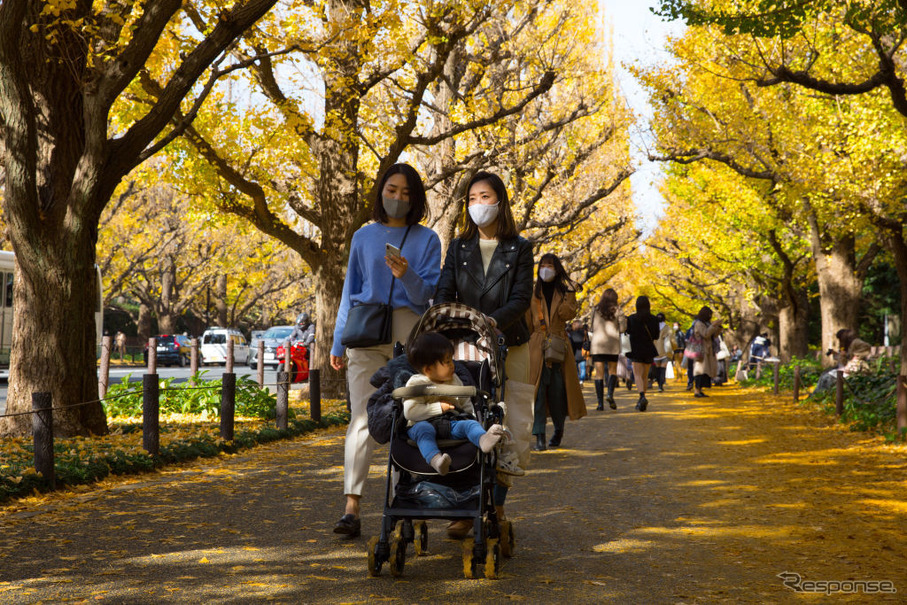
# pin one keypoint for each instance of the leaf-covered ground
(693, 501)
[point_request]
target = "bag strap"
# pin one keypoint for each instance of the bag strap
(394, 278)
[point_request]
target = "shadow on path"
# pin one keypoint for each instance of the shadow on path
(695, 500)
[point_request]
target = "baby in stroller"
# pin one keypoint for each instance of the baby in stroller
(433, 417)
(421, 483)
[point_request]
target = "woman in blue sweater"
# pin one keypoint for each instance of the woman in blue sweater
(397, 211)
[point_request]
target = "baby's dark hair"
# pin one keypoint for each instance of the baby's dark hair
(428, 349)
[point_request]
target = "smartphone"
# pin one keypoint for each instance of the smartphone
(391, 250)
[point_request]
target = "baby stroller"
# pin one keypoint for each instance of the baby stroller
(420, 493)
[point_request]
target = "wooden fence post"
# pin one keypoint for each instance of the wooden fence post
(104, 375)
(776, 376)
(261, 363)
(151, 413)
(315, 394)
(43, 432)
(227, 405)
(152, 356)
(839, 393)
(796, 384)
(283, 399)
(193, 359)
(228, 364)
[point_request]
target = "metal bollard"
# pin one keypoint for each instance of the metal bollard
(839, 393)
(227, 405)
(151, 414)
(796, 384)
(315, 394)
(283, 399)
(104, 373)
(43, 431)
(261, 363)
(776, 375)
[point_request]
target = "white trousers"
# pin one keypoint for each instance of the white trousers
(363, 363)
(519, 396)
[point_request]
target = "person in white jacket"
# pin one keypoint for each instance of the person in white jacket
(431, 417)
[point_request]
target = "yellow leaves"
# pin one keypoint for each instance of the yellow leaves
(204, 560)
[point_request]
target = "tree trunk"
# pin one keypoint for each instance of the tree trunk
(144, 321)
(793, 333)
(54, 343)
(220, 299)
(839, 287)
(166, 319)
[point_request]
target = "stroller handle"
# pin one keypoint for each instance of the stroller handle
(423, 390)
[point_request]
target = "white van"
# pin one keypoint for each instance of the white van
(214, 346)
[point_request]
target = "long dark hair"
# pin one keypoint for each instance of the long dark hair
(416, 194)
(506, 225)
(643, 306)
(607, 306)
(561, 281)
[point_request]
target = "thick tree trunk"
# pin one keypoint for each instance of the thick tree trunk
(144, 321)
(54, 342)
(328, 290)
(793, 333)
(839, 288)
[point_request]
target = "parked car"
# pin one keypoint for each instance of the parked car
(172, 349)
(214, 346)
(273, 338)
(254, 337)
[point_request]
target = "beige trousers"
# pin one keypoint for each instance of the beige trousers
(363, 363)
(519, 396)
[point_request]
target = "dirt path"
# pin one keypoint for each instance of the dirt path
(695, 500)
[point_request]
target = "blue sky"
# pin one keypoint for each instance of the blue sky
(638, 38)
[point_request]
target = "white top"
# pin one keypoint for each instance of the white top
(605, 338)
(429, 406)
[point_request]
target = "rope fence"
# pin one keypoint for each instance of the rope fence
(43, 408)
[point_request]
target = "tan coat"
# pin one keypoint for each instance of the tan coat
(709, 363)
(564, 309)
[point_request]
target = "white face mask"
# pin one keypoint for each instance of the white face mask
(547, 274)
(483, 214)
(395, 208)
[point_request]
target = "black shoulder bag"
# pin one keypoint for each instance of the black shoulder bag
(369, 324)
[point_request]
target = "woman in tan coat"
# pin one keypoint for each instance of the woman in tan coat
(558, 392)
(706, 367)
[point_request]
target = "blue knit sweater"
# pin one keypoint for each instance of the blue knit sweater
(368, 278)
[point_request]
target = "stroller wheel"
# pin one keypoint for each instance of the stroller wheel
(508, 543)
(493, 559)
(420, 540)
(398, 555)
(375, 562)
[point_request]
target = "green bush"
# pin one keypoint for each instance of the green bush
(198, 396)
(810, 370)
(870, 403)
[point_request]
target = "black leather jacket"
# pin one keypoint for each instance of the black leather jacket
(503, 293)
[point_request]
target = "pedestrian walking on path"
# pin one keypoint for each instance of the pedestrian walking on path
(371, 277)
(551, 360)
(608, 323)
(643, 329)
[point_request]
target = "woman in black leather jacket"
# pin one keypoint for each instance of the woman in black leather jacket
(490, 267)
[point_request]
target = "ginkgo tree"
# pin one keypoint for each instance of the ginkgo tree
(300, 161)
(64, 65)
(708, 111)
(843, 49)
